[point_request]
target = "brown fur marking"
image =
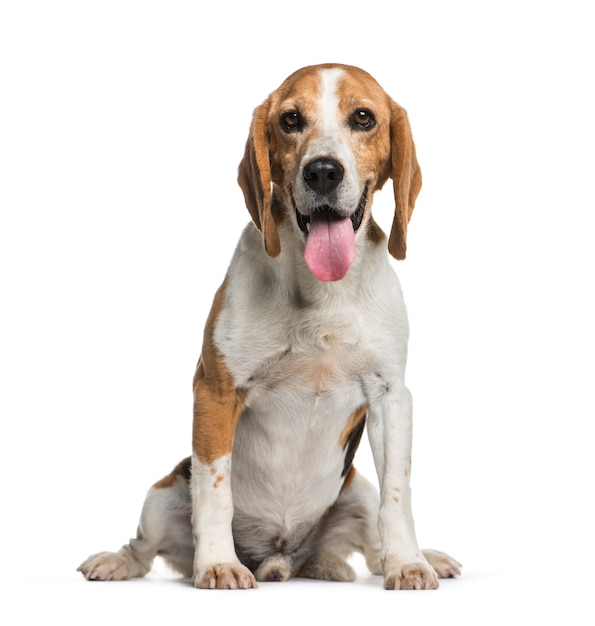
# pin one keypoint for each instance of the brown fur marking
(181, 470)
(217, 402)
(351, 436)
(374, 233)
(348, 478)
(352, 423)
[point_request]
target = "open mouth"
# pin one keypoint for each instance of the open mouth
(330, 239)
(356, 218)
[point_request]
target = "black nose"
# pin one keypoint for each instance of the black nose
(323, 175)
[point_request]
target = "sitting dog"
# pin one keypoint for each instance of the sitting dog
(305, 344)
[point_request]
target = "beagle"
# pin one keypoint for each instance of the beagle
(305, 344)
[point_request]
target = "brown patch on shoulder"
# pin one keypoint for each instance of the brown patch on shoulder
(182, 470)
(217, 402)
(217, 481)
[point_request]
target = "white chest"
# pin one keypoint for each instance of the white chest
(308, 359)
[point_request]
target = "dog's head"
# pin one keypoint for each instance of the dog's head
(320, 145)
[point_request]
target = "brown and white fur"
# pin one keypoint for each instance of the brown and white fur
(301, 349)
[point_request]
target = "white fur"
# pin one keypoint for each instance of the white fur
(211, 487)
(331, 141)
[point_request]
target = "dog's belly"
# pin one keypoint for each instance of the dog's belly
(289, 451)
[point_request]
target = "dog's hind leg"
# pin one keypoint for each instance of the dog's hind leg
(350, 526)
(164, 529)
(327, 566)
(444, 565)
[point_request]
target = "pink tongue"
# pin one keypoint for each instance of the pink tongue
(330, 246)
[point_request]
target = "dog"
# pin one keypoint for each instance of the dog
(304, 346)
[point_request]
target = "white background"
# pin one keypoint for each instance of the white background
(121, 128)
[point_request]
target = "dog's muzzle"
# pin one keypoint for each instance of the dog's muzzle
(303, 221)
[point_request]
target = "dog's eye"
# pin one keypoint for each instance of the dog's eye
(363, 119)
(292, 121)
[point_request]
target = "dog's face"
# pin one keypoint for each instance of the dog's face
(330, 141)
(326, 140)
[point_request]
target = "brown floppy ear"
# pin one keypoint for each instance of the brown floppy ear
(406, 177)
(254, 177)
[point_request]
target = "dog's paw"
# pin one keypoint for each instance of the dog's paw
(225, 576)
(327, 566)
(445, 566)
(276, 568)
(416, 575)
(105, 566)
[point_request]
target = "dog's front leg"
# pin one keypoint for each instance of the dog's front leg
(390, 432)
(217, 407)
